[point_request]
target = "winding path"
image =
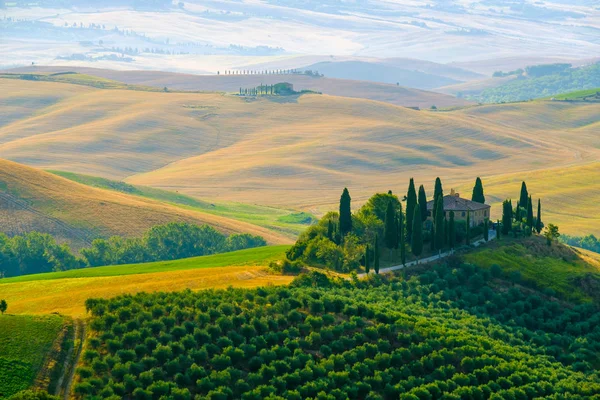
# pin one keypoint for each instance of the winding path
(492, 236)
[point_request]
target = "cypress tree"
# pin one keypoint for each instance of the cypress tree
(506, 217)
(401, 237)
(439, 225)
(468, 228)
(451, 231)
(330, 230)
(518, 217)
(486, 229)
(529, 214)
(438, 195)
(423, 203)
(538, 223)
(376, 264)
(367, 267)
(345, 213)
(524, 195)
(390, 233)
(446, 232)
(416, 244)
(411, 201)
(478, 195)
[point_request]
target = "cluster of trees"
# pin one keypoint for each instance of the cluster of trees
(344, 240)
(589, 242)
(259, 90)
(451, 332)
(273, 72)
(545, 81)
(37, 252)
(520, 220)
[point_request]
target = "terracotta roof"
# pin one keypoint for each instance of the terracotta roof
(455, 203)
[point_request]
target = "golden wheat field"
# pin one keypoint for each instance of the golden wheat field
(31, 199)
(67, 296)
(294, 152)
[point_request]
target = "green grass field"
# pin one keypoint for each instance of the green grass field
(559, 267)
(578, 95)
(24, 344)
(284, 221)
(247, 257)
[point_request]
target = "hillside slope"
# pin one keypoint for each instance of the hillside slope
(289, 152)
(390, 93)
(31, 199)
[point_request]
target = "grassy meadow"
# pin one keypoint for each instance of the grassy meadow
(558, 267)
(66, 292)
(25, 341)
(287, 222)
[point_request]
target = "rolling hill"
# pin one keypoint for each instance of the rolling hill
(390, 93)
(33, 200)
(290, 152)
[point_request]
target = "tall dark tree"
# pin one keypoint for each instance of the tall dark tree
(498, 230)
(529, 214)
(416, 244)
(390, 233)
(468, 228)
(411, 202)
(3, 306)
(524, 195)
(401, 237)
(439, 225)
(506, 217)
(423, 203)
(376, 249)
(451, 231)
(367, 266)
(345, 213)
(518, 216)
(478, 195)
(538, 222)
(438, 195)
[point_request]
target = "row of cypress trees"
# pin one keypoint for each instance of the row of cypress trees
(522, 212)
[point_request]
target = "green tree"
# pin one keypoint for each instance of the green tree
(538, 222)
(390, 232)
(524, 195)
(438, 195)
(478, 195)
(451, 231)
(468, 236)
(401, 237)
(416, 244)
(439, 225)
(411, 202)
(423, 203)
(367, 266)
(529, 215)
(3, 306)
(506, 217)
(551, 234)
(345, 213)
(376, 262)
(330, 230)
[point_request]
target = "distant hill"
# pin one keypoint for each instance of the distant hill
(296, 152)
(393, 71)
(34, 200)
(389, 93)
(544, 84)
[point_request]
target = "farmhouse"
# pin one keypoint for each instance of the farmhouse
(462, 207)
